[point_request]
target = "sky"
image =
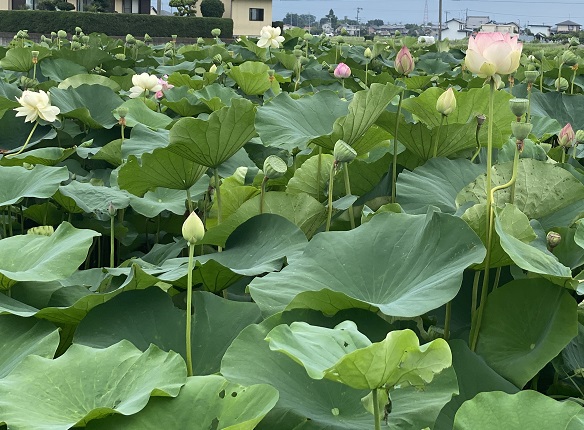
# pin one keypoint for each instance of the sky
(412, 11)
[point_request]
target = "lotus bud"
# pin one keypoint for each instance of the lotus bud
(193, 229)
(200, 41)
(580, 136)
(561, 84)
(404, 63)
(553, 239)
(446, 103)
(307, 37)
(574, 41)
(62, 34)
(569, 58)
(120, 56)
(75, 45)
(77, 30)
(130, 40)
(368, 53)
(216, 32)
(519, 107)
(147, 38)
(531, 76)
(480, 120)
(343, 152)
(304, 61)
(21, 34)
(217, 59)
(140, 43)
(271, 75)
(342, 71)
(274, 167)
(54, 34)
(521, 130)
(567, 136)
(213, 68)
(85, 39)
(35, 57)
(42, 230)
(297, 53)
(340, 40)
(111, 210)
(44, 38)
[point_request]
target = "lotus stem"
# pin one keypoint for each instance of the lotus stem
(573, 154)
(376, 413)
(348, 193)
(435, 154)
(263, 193)
(189, 201)
(367, 70)
(394, 163)
(447, 319)
(497, 278)
(189, 310)
(559, 77)
(318, 170)
(9, 212)
(573, 79)
(563, 155)
(112, 242)
(529, 88)
(478, 151)
(330, 196)
(27, 141)
(3, 223)
(541, 74)
(475, 294)
(218, 195)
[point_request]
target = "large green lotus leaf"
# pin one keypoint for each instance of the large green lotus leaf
(59, 69)
(139, 113)
(300, 209)
(183, 80)
(568, 252)
(211, 142)
(216, 96)
(562, 107)
(40, 181)
(149, 316)
(182, 101)
(161, 168)
(555, 202)
(18, 59)
(70, 304)
(532, 256)
(85, 384)
(91, 104)
(89, 57)
(345, 355)
(43, 258)
(15, 132)
(474, 376)
(436, 183)
(364, 110)
(524, 410)
(544, 127)
(372, 267)
(22, 337)
(45, 156)
(185, 66)
(143, 139)
(8, 95)
(309, 179)
(252, 77)
(93, 198)
(165, 199)
(205, 402)
(87, 79)
(288, 123)
(579, 235)
(232, 197)
(517, 341)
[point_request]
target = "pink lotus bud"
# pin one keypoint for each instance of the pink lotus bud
(342, 71)
(566, 136)
(404, 63)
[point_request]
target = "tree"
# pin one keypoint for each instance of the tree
(332, 18)
(212, 8)
(55, 5)
(64, 5)
(375, 22)
(184, 7)
(100, 6)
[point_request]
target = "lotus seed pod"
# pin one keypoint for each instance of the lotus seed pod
(122, 111)
(200, 41)
(553, 239)
(75, 38)
(368, 53)
(307, 37)
(521, 130)
(343, 152)
(173, 37)
(85, 39)
(325, 66)
(130, 40)
(304, 61)
(274, 167)
(53, 34)
(561, 84)
(78, 30)
(35, 57)
(193, 229)
(140, 43)
(531, 76)
(340, 40)
(62, 34)
(216, 32)
(481, 120)
(120, 56)
(75, 45)
(42, 230)
(569, 58)
(580, 136)
(519, 106)
(297, 53)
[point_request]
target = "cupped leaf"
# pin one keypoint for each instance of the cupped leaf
(19, 182)
(205, 402)
(43, 258)
(252, 77)
(524, 410)
(288, 123)
(44, 393)
(149, 316)
(139, 113)
(87, 79)
(165, 199)
(562, 107)
(18, 59)
(45, 156)
(345, 355)
(213, 141)
(516, 340)
(22, 337)
(372, 267)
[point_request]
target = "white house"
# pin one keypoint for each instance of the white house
(567, 27)
(540, 29)
(455, 29)
(475, 22)
(494, 27)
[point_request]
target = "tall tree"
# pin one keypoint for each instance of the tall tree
(332, 18)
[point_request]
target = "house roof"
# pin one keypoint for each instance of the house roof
(568, 22)
(538, 25)
(454, 19)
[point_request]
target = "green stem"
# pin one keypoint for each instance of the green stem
(366, 72)
(122, 127)
(394, 163)
(563, 155)
(376, 413)
(435, 154)
(218, 195)
(99, 251)
(573, 154)
(572, 86)
(318, 170)
(541, 75)
(559, 77)
(475, 294)
(529, 88)
(447, 319)
(27, 140)
(330, 197)
(478, 141)
(348, 193)
(189, 201)
(497, 278)
(189, 309)
(9, 212)
(263, 193)
(112, 242)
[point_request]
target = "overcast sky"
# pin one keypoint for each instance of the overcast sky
(412, 11)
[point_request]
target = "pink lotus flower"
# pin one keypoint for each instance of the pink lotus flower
(404, 63)
(489, 54)
(342, 71)
(165, 86)
(566, 136)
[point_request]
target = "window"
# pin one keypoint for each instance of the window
(256, 14)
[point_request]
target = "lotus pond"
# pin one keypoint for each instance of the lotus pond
(299, 236)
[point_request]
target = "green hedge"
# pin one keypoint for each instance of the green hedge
(113, 24)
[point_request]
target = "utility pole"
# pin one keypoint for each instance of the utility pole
(440, 20)
(358, 25)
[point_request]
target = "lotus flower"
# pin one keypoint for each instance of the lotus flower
(566, 136)
(143, 84)
(404, 63)
(35, 105)
(270, 37)
(490, 54)
(165, 86)
(446, 103)
(342, 71)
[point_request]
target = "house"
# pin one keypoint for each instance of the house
(475, 22)
(352, 30)
(455, 29)
(494, 27)
(567, 27)
(388, 30)
(541, 29)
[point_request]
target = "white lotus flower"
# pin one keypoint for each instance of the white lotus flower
(143, 84)
(35, 105)
(270, 37)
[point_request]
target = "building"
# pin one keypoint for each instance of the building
(567, 27)
(494, 27)
(541, 30)
(474, 23)
(455, 29)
